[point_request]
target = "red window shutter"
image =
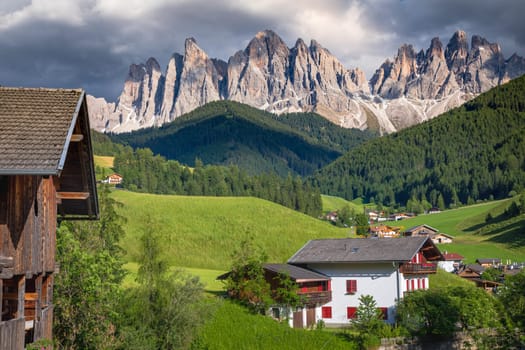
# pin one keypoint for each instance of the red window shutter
(326, 312)
(413, 284)
(350, 312)
(408, 285)
(419, 283)
(329, 283)
(423, 282)
(351, 286)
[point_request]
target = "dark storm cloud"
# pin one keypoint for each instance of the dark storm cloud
(416, 21)
(50, 43)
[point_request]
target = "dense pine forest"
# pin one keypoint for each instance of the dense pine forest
(226, 132)
(145, 172)
(474, 152)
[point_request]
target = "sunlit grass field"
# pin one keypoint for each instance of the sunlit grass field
(473, 238)
(203, 232)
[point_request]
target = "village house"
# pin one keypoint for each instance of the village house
(387, 269)
(489, 262)
(46, 173)
(441, 238)
(420, 230)
(451, 262)
(376, 216)
(312, 286)
(427, 230)
(383, 231)
(113, 179)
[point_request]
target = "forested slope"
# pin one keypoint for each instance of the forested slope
(474, 152)
(226, 132)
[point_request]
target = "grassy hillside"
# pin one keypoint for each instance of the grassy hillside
(473, 237)
(233, 327)
(331, 203)
(226, 132)
(474, 152)
(202, 232)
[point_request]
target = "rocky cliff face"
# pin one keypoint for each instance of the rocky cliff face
(409, 89)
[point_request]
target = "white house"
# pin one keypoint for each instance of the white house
(451, 262)
(383, 268)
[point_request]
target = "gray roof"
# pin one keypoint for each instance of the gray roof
(35, 129)
(359, 250)
(296, 273)
(413, 228)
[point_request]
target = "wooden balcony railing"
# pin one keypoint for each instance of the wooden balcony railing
(312, 298)
(415, 269)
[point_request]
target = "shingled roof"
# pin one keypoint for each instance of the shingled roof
(35, 129)
(362, 250)
(45, 132)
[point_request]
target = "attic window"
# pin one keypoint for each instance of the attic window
(355, 250)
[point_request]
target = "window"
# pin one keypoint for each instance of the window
(351, 286)
(350, 312)
(326, 312)
(384, 312)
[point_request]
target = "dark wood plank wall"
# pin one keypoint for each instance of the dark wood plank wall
(28, 214)
(28, 234)
(12, 334)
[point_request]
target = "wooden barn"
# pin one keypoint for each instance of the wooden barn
(46, 174)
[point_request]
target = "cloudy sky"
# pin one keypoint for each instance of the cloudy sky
(91, 43)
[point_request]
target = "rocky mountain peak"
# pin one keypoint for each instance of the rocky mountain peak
(406, 89)
(152, 65)
(436, 48)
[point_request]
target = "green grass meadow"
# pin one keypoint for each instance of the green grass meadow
(233, 327)
(203, 232)
(473, 237)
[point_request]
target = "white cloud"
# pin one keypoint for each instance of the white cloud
(59, 11)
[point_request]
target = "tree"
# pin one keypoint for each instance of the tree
(491, 274)
(167, 308)
(512, 295)
(367, 316)
(361, 224)
(368, 322)
(440, 312)
(344, 216)
(246, 281)
(88, 287)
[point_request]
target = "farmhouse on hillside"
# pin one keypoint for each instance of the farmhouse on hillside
(46, 173)
(333, 273)
(113, 179)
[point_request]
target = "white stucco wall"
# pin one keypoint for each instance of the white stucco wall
(378, 280)
(381, 280)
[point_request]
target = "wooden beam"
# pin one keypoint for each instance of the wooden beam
(6, 261)
(72, 195)
(77, 137)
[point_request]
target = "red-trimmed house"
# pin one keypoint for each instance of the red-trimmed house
(387, 269)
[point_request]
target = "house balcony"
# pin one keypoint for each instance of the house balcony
(418, 269)
(316, 297)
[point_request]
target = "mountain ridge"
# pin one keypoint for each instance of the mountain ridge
(228, 132)
(268, 75)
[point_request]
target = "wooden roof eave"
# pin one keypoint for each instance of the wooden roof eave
(70, 131)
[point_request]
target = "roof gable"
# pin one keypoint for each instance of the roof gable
(365, 250)
(46, 132)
